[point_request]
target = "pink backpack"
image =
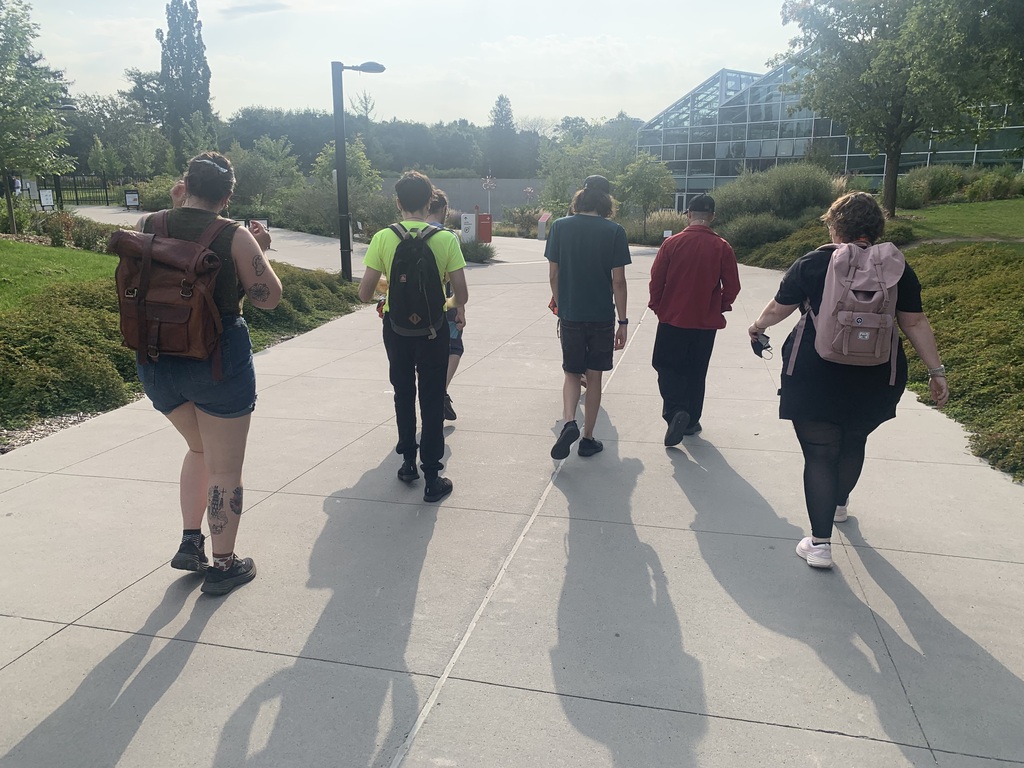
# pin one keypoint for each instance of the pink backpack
(856, 322)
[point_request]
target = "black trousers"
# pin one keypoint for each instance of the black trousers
(424, 360)
(681, 358)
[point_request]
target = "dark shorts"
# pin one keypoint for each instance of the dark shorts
(170, 382)
(455, 346)
(586, 346)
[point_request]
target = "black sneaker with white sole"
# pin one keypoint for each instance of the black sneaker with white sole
(219, 582)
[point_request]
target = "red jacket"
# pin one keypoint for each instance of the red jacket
(694, 279)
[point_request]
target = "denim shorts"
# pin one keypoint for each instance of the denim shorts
(455, 345)
(586, 346)
(170, 382)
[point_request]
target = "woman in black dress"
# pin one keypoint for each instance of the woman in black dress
(834, 406)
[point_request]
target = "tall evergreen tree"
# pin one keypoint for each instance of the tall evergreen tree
(184, 73)
(501, 148)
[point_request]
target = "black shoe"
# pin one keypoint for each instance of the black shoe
(437, 488)
(189, 557)
(219, 582)
(677, 428)
(449, 412)
(570, 434)
(407, 472)
(589, 446)
(694, 429)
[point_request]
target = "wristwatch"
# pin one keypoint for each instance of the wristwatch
(623, 322)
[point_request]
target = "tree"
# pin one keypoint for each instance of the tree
(646, 184)
(860, 63)
(184, 74)
(146, 93)
(500, 152)
(32, 132)
(104, 160)
(197, 134)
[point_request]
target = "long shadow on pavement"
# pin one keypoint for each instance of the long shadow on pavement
(330, 703)
(99, 720)
(619, 638)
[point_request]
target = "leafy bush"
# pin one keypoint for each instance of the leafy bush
(782, 253)
(66, 229)
(991, 186)
(934, 182)
(657, 224)
(307, 206)
(786, 191)
(22, 214)
(477, 252)
(524, 219)
(910, 194)
(753, 229)
(54, 362)
(898, 232)
(155, 194)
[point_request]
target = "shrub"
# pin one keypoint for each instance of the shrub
(66, 229)
(22, 215)
(155, 194)
(786, 191)
(308, 206)
(910, 194)
(898, 232)
(524, 219)
(935, 182)
(753, 229)
(477, 252)
(782, 253)
(991, 186)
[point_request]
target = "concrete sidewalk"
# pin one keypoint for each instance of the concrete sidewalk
(643, 607)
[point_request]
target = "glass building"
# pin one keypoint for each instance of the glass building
(737, 121)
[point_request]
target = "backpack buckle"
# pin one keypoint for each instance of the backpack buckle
(131, 293)
(186, 289)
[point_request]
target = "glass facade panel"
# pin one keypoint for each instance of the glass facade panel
(740, 120)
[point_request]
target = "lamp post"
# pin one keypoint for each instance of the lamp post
(344, 218)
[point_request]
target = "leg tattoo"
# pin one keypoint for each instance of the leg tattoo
(236, 501)
(215, 511)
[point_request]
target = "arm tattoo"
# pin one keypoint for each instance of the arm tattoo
(259, 292)
(236, 501)
(215, 510)
(259, 264)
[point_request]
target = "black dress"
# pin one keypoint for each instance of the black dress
(820, 390)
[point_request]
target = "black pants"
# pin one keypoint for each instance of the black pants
(833, 460)
(413, 358)
(681, 358)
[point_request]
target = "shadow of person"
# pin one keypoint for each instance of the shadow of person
(746, 544)
(353, 666)
(99, 720)
(967, 700)
(619, 637)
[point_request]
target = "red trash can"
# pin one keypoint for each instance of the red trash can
(483, 227)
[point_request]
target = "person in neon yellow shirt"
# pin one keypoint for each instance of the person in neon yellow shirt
(418, 358)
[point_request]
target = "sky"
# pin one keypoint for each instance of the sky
(588, 59)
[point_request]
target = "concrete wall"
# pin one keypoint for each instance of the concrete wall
(463, 194)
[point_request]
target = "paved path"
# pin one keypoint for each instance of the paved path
(640, 608)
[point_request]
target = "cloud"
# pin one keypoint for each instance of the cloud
(251, 9)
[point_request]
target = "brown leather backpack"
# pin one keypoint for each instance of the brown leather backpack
(165, 292)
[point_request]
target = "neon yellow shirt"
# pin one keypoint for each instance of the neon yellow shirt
(444, 245)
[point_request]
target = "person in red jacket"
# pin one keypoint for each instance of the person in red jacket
(694, 280)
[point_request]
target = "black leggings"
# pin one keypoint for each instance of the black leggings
(833, 460)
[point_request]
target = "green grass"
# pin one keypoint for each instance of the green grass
(26, 269)
(1000, 219)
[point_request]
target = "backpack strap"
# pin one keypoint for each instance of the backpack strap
(399, 230)
(429, 231)
(160, 223)
(211, 232)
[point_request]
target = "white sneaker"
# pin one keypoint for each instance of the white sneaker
(841, 514)
(816, 555)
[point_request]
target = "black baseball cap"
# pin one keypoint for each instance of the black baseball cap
(599, 183)
(702, 204)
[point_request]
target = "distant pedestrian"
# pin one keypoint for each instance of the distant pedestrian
(418, 359)
(588, 255)
(694, 281)
(438, 216)
(835, 406)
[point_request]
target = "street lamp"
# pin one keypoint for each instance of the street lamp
(344, 218)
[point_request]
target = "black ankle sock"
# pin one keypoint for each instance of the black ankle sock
(192, 536)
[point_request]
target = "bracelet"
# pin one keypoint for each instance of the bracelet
(939, 372)
(623, 322)
(759, 328)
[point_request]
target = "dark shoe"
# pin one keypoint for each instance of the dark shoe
(189, 557)
(570, 434)
(693, 430)
(449, 412)
(219, 582)
(407, 472)
(589, 446)
(677, 428)
(437, 488)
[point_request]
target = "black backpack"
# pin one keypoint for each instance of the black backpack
(415, 295)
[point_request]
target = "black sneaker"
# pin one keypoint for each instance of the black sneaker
(449, 412)
(189, 557)
(407, 472)
(219, 582)
(695, 429)
(437, 488)
(589, 446)
(570, 434)
(677, 428)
